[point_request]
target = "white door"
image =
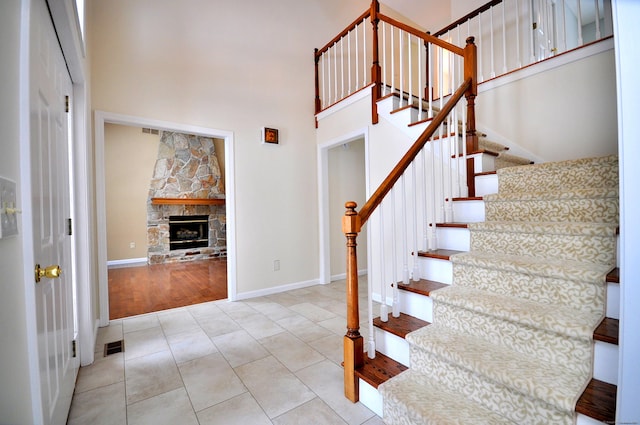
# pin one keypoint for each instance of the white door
(55, 311)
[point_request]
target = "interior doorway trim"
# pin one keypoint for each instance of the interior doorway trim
(323, 195)
(101, 118)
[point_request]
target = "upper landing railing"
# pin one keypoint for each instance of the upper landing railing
(509, 35)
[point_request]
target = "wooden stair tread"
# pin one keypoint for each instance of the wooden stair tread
(400, 326)
(485, 173)
(422, 287)
(468, 198)
(598, 401)
(441, 254)
(379, 370)
(454, 225)
(614, 276)
(607, 331)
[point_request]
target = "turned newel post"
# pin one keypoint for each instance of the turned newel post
(316, 59)
(471, 71)
(376, 73)
(353, 343)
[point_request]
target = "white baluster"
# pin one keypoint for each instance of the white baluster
(364, 52)
(357, 59)
(532, 59)
(518, 60)
(579, 13)
(433, 240)
(403, 233)
(420, 88)
(395, 306)
(479, 51)
(410, 82)
(401, 49)
(384, 59)
(393, 62)
(598, 35)
(323, 99)
(416, 272)
(491, 30)
(504, 40)
(342, 68)
(371, 342)
(563, 41)
(351, 89)
(430, 79)
(384, 310)
(424, 190)
(335, 73)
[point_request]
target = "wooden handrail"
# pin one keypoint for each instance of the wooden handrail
(423, 35)
(344, 32)
(467, 17)
(374, 201)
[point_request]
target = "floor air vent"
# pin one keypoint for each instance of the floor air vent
(113, 347)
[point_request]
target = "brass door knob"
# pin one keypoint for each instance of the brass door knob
(51, 272)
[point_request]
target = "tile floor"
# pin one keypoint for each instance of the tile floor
(268, 360)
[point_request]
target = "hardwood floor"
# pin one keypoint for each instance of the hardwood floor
(149, 288)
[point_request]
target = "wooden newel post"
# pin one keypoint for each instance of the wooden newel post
(471, 71)
(376, 72)
(316, 59)
(353, 343)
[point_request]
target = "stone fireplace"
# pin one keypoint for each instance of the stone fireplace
(186, 215)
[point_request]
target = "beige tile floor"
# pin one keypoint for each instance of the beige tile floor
(268, 360)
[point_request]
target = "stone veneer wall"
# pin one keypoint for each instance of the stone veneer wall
(187, 167)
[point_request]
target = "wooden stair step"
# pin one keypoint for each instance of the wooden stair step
(379, 370)
(614, 276)
(598, 401)
(441, 254)
(400, 326)
(453, 225)
(607, 331)
(485, 173)
(467, 198)
(422, 287)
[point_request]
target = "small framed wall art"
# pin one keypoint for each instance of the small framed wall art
(270, 135)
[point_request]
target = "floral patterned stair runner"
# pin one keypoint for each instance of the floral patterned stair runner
(512, 336)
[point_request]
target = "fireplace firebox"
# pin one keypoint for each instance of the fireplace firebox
(188, 231)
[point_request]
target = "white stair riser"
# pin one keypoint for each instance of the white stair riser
(468, 211)
(483, 162)
(613, 300)
(585, 420)
(436, 269)
(392, 346)
(453, 238)
(416, 305)
(370, 397)
(486, 184)
(605, 362)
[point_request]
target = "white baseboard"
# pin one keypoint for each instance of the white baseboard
(129, 262)
(276, 289)
(343, 276)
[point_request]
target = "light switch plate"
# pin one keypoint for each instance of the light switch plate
(8, 208)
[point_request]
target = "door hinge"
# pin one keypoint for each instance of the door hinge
(66, 104)
(73, 348)
(69, 227)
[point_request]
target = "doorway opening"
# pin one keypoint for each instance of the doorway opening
(223, 265)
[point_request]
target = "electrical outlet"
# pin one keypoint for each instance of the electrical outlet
(8, 210)
(276, 265)
(132, 245)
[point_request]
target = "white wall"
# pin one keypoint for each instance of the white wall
(15, 396)
(563, 113)
(228, 66)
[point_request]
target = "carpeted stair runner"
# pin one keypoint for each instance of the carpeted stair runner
(511, 338)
